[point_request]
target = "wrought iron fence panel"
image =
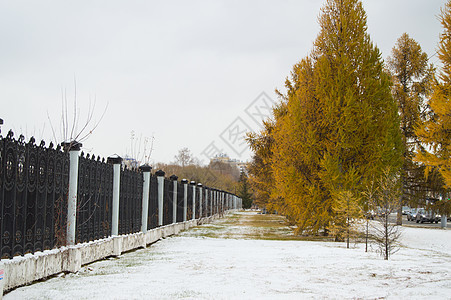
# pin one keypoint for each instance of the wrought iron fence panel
(83, 199)
(104, 216)
(197, 202)
(152, 215)
(61, 191)
(201, 193)
(189, 211)
(94, 200)
(167, 201)
(19, 193)
(31, 172)
(124, 205)
(49, 228)
(205, 203)
(31, 182)
(40, 198)
(123, 225)
(180, 198)
(211, 196)
(137, 191)
(15, 197)
(130, 203)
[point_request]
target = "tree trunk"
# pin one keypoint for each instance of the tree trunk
(366, 235)
(399, 215)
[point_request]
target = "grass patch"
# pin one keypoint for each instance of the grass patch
(251, 225)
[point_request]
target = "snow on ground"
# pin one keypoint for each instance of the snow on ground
(223, 261)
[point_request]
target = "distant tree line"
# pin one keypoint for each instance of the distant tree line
(218, 174)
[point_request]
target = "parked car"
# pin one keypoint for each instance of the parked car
(427, 216)
(412, 214)
(405, 210)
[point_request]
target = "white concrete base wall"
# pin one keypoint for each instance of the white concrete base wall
(22, 270)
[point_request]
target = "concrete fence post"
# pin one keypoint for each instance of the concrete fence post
(200, 199)
(218, 201)
(174, 198)
(185, 198)
(145, 201)
(160, 178)
(116, 161)
(193, 185)
(227, 201)
(74, 152)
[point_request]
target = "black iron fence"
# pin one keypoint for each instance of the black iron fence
(189, 204)
(167, 201)
(34, 181)
(94, 201)
(180, 201)
(130, 204)
(207, 202)
(153, 204)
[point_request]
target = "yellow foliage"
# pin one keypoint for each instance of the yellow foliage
(435, 132)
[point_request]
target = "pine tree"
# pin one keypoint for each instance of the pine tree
(341, 125)
(412, 84)
(244, 191)
(435, 132)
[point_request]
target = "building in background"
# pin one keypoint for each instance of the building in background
(225, 159)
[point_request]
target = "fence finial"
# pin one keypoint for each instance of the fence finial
(71, 146)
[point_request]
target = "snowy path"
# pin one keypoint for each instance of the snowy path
(215, 262)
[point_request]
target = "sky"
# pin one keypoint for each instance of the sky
(158, 76)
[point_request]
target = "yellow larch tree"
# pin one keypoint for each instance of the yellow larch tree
(435, 132)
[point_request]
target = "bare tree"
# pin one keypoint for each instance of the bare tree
(72, 128)
(140, 150)
(369, 195)
(184, 158)
(385, 233)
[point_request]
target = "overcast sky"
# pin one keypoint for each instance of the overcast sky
(191, 74)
